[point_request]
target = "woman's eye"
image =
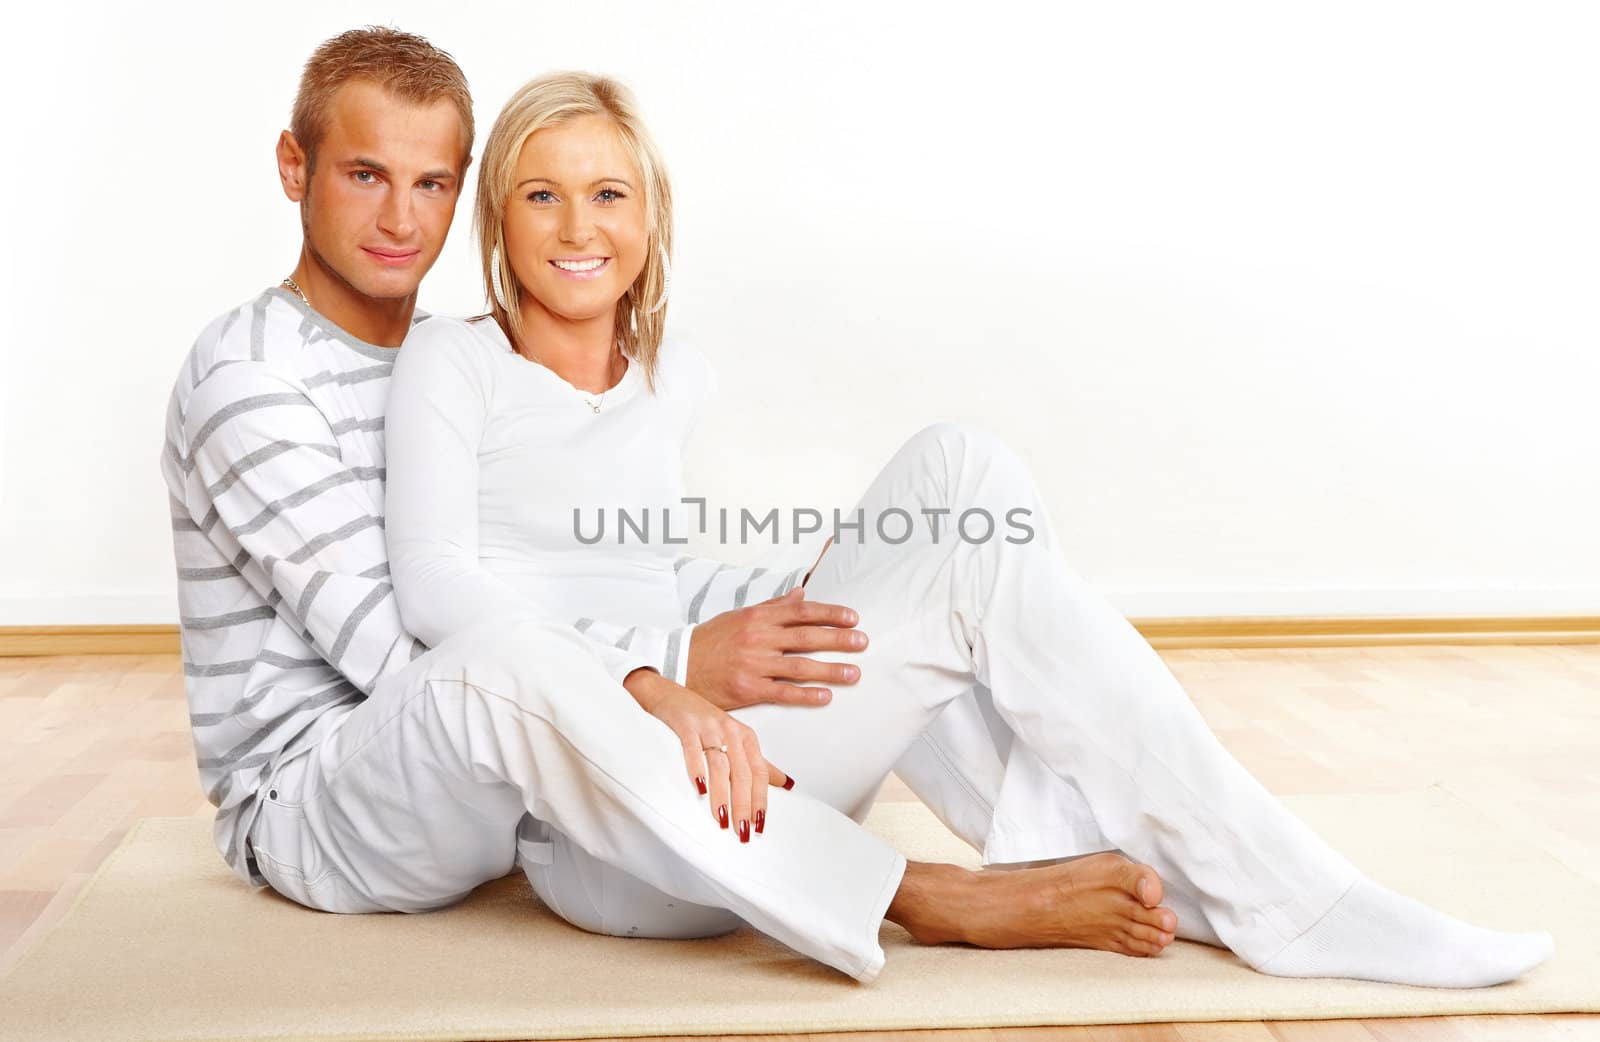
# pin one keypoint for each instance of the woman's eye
(613, 193)
(536, 193)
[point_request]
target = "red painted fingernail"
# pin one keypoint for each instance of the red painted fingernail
(700, 783)
(788, 783)
(744, 831)
(722, 814)
(761, 820)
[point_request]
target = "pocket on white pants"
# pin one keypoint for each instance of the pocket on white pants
(285, 850)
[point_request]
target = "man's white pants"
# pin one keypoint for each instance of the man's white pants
(1007, 692)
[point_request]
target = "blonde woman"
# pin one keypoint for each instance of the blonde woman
(1017, 702)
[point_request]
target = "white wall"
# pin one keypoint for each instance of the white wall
(1290, 306)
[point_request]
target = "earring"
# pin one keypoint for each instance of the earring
(494, 279)
(666, 282)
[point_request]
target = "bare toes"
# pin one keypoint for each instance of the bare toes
(1150, 935)
(1144, 884)
(1164, 919)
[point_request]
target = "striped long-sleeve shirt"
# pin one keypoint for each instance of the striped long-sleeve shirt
(274, 465)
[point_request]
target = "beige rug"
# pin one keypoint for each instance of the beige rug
(164, 943)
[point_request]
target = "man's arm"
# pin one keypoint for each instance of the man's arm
(262, 461)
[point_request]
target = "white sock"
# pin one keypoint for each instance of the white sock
(1373, 933)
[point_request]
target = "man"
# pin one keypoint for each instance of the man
(291, 638)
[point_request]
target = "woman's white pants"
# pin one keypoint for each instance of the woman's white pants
(1004, 690)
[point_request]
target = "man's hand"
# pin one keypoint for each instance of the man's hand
(737, 658)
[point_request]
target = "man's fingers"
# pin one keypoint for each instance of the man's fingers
(778, 693)
(819, 613)
(789, 610)
(821, 638)
(794, 667)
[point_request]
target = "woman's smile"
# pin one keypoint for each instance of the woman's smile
(582, 268)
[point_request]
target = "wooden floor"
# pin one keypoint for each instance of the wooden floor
(90, 744)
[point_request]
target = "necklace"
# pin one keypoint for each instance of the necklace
(292, 284)
(592, 403)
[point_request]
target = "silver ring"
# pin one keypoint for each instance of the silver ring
(714, 748)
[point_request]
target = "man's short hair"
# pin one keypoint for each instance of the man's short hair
(404, 64)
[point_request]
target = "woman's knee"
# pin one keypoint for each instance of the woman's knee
(525, 658)
(601, 898)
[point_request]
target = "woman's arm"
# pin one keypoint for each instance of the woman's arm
(439, 400)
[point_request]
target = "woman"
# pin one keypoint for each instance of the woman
(568, 399)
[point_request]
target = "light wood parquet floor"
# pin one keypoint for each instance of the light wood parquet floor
(89, 744)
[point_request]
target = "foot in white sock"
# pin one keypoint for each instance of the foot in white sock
(1374, 933)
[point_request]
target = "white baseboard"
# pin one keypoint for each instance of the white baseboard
(1171, 602)
(1145, 602)
(91, 609)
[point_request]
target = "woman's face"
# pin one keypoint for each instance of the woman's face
(577, 203)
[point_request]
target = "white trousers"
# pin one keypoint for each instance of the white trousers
(1007, 692)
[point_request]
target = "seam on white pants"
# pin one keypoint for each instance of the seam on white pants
(1308, 929)
(1004, 847)
(961, 779)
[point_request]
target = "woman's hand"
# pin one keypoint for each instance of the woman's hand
(722, 754)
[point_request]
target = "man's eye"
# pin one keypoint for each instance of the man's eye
(363, 176)
(432, 185)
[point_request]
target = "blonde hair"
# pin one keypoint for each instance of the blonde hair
(549, 101)
(404, 64)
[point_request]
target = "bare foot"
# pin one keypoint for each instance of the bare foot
(1102, 901)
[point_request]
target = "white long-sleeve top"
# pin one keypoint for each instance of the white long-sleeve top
(275, 461)
(501, 476)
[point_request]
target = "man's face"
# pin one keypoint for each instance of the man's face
(383, 190)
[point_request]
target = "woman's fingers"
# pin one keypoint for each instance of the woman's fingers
(695, 760)
(731, 771)
(740, 774)
(717, 767)
(760, 773)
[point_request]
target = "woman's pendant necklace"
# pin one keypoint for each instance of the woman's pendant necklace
(592, 403)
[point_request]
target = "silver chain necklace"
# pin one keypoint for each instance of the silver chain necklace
(292, 284)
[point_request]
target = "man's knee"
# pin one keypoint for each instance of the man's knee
(958, 457)
(955, 441)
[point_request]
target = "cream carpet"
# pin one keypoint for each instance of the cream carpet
(164, 943)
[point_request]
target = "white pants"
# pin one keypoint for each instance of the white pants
(1009, 694)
